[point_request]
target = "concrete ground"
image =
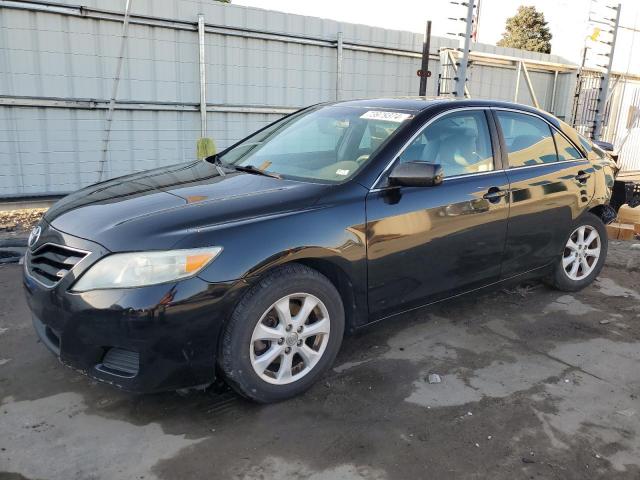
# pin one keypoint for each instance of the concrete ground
(536, 383)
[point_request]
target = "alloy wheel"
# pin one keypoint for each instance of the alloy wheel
(581, 252)
(290, 338)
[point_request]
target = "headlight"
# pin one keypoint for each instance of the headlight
(137, 269)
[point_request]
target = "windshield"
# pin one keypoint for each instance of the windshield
(327, 144)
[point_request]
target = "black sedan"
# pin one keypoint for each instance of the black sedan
(250, 266)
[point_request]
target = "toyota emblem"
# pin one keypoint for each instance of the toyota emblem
(34, 236)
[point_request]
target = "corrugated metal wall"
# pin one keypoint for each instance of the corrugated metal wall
(57, 62)
(623, 130)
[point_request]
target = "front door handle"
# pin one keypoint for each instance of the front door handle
(494, 194)
(582, 176)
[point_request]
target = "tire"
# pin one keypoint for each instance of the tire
(246, 351)
(562, 277)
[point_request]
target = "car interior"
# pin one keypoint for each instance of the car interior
(459, 143)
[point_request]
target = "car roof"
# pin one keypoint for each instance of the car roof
(419, 104)
(414, 104)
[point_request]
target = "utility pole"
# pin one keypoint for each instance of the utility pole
(604, 85)
(476, 29)
(461, 77)
(424, 68)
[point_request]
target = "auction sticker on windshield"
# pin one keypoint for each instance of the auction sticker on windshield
(388, 116)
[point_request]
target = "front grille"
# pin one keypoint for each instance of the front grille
(123, 363)
(50, 263)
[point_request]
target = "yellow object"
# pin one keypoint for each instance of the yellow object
(596, 33)
(626, 214)
(205, 147)
(196, 262)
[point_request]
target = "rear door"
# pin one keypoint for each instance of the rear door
(551, 185)
(426, 243)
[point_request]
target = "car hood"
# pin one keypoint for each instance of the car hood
(157, 208)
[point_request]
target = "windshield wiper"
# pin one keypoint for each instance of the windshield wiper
(219, 164)
(255, 171)
(215, 159)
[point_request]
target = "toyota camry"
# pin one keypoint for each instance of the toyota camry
(250, 266)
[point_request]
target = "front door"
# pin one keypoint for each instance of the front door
(427, 243)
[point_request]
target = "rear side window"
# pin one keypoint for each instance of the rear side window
(528, 139)
(459, 142)
(566, 150)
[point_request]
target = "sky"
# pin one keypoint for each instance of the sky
(567, 19)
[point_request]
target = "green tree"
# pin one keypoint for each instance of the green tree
(527, 30)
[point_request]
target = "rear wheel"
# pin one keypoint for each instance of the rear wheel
(583, 256)
(283, 335)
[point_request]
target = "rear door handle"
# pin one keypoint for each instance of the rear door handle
(494, 194)
(582, 176)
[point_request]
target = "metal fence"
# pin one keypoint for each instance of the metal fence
(59, 64)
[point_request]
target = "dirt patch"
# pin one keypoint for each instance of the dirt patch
(18, 221)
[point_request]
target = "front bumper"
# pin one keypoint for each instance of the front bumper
(148, 339)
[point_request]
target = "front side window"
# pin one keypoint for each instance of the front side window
(528, 139)
(459, 142)
(327, 144)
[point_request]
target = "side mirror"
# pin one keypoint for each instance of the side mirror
(416, 174)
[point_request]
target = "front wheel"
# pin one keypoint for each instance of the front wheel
(583, 256)
(283, 335)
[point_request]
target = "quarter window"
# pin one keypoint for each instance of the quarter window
(528, 139)
(459, 142)
(566, 150)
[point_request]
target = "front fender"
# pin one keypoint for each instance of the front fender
(334, 234)
(332, 231)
